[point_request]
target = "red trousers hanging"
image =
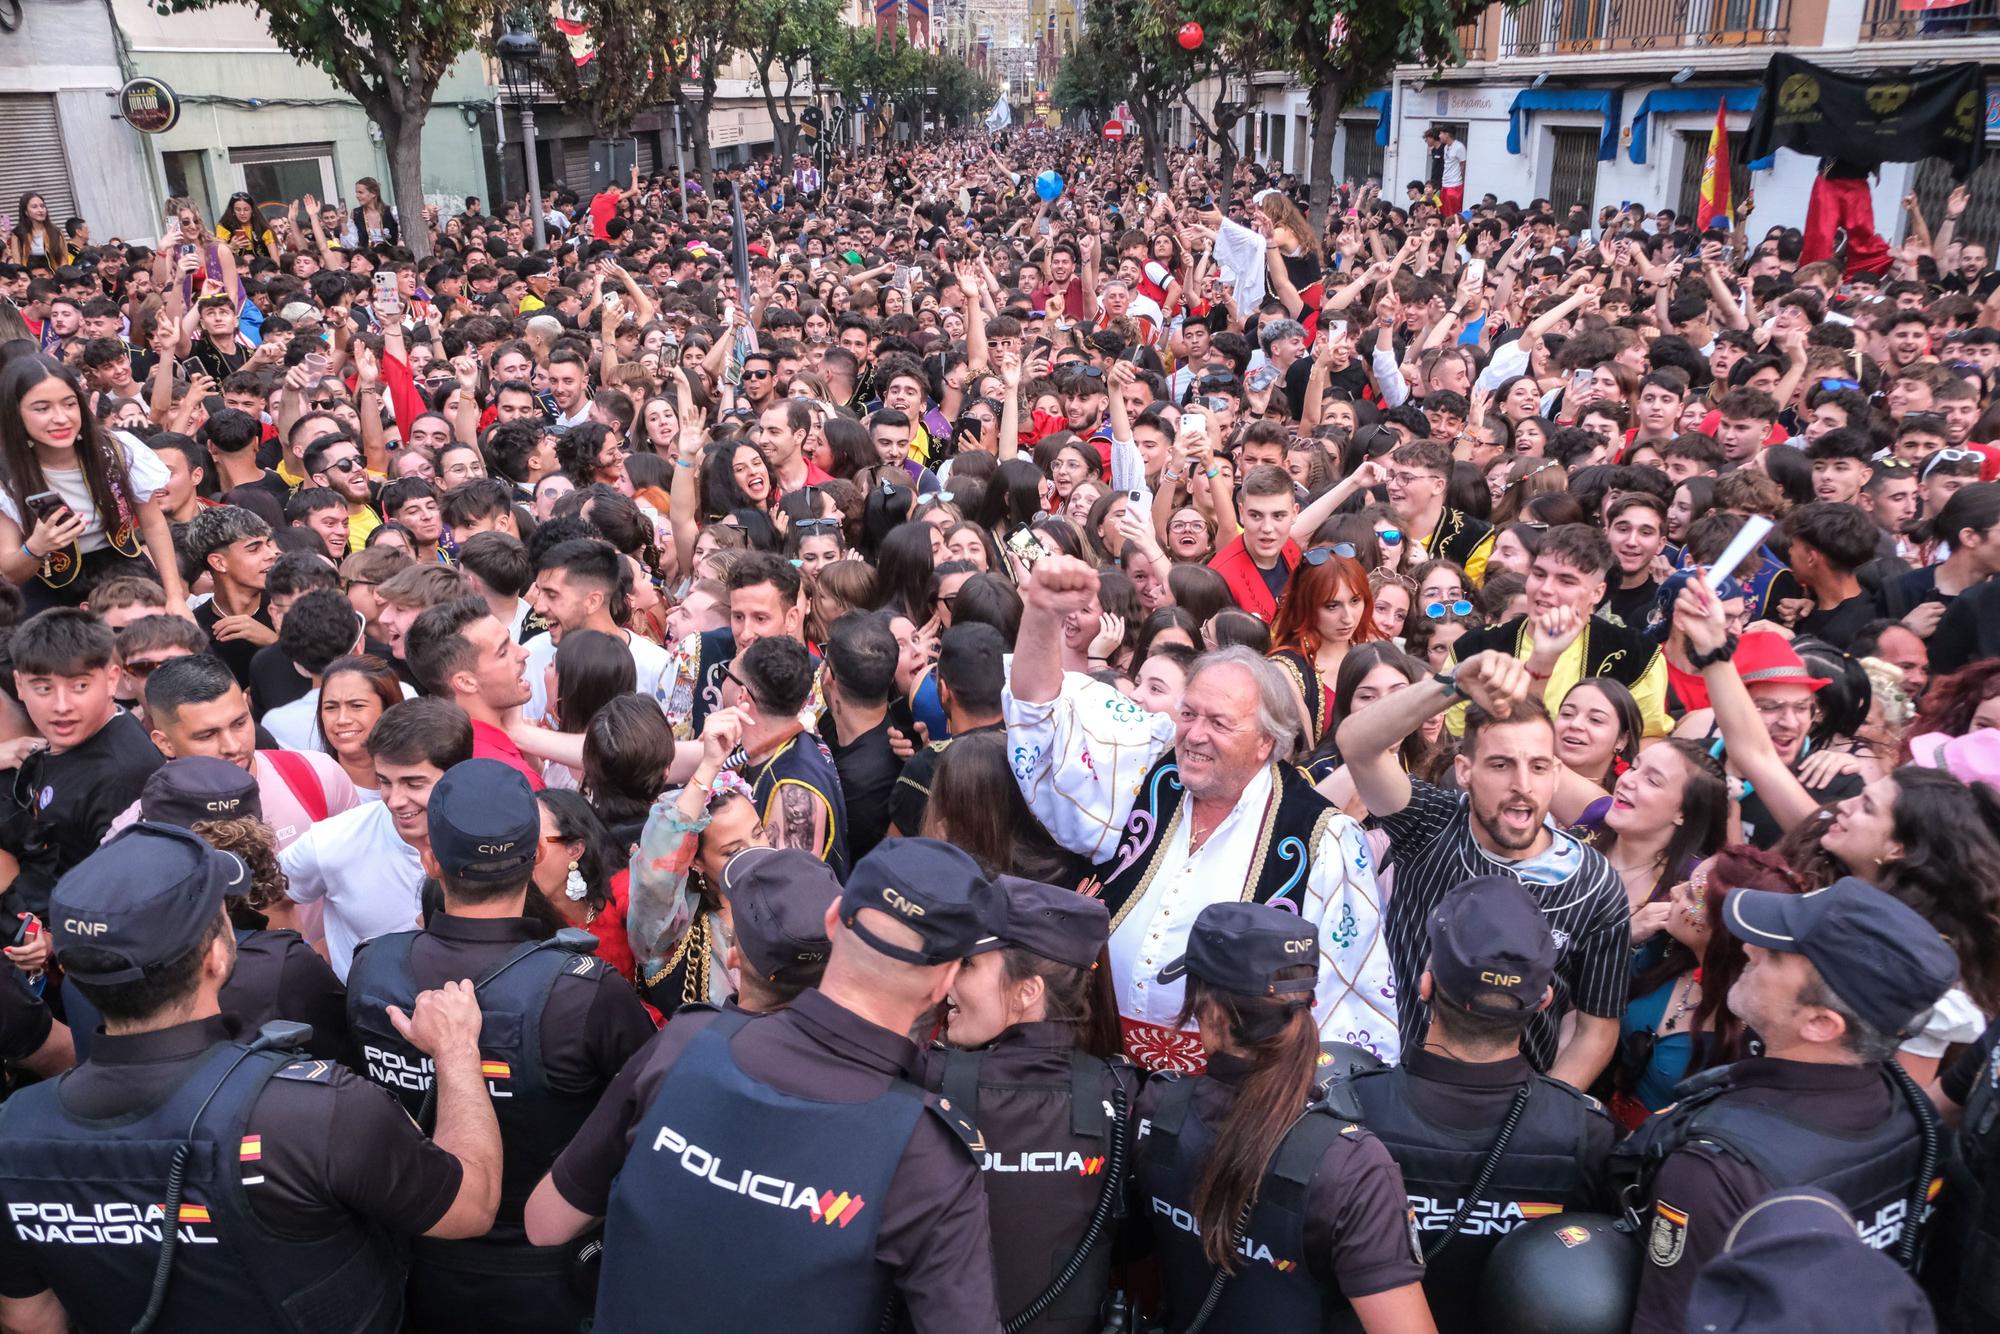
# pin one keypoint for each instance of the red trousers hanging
(1843, 202)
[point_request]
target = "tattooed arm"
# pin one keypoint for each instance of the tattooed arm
(798, 817)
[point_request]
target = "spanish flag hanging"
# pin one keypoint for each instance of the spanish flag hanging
(1715, 201)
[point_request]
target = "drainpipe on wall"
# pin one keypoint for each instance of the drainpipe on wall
(127, 70)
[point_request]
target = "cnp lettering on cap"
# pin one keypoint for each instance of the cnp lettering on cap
(78, 927)
(902, 905)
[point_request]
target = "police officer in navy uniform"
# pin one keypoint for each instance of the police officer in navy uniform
(1468, 1095)
(774, 903)
(1836, 980)
(291, 1182)
(1033, 1062)
(1962, 1262)
(277, 975)
(1267, 1214)
(783, 1166)
(559, 1026)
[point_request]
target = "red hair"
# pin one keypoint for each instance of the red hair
(1310, 588)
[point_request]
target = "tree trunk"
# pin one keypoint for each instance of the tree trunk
(1327, 92)
(404, 138)
(697, 131)
(1225, 134)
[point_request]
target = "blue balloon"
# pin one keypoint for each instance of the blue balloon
(1049, 186)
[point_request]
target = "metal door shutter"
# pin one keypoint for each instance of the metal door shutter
(1573, 176)
(31, 155)
(1363, 156)
(1981, 222)
(649, 152)
(576, 165)
(1694, 156)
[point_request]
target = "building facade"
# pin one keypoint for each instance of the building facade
(1601, 102)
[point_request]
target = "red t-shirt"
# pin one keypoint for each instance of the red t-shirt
(490, 743)
(603, 207)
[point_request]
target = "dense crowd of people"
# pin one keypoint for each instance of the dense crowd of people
(1162, 761)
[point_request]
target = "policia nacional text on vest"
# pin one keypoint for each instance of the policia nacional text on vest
(1053, 1165)
(499, 1279)
(715, 1159)
(1885, 1177)
(92, 1200)
(1272, 1288)
(1539, 1158)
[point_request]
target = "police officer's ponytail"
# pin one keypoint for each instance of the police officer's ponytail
(1277, 1035)
(1079, 996)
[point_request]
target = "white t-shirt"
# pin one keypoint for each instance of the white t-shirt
(1454, 163)
(369, 878)
(654, 665)
(295, 725)
(143, 469)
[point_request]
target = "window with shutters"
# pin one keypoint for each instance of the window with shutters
(1573, 169)
(31, 155)
(1361, 157)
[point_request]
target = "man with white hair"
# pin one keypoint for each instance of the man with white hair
(1180, 811)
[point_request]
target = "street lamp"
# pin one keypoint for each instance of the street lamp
(521, 73)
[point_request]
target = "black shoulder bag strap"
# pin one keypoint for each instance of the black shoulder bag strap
(1471, 1198)
(961, 1082)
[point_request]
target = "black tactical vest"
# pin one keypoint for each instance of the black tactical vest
(1044, 1174)
(536, 1122)
(88, 1199)
(1963, 1273)
(1542, 1172)
(744, 1208)
(1872, 1172)
(1272, 1287)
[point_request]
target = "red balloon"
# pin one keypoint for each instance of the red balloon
(1190, 36)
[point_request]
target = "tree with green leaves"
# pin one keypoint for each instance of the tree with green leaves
(629, 68)
(389, 56)
(1373, 37)
(892, 73)
(784, 39)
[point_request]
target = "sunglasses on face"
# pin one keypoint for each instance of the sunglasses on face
(348, 464)
(325, 404)
(144, 667)
(1390, 537)
(1437, 610)
(1320, 555)
(756, 375)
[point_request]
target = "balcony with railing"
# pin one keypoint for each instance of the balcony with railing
(1892, 21)
(1580, 27)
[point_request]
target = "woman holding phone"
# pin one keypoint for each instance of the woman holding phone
(80, 503)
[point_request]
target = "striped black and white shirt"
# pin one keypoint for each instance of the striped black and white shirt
(1432, 850)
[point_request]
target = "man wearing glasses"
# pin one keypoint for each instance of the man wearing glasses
(334, 462)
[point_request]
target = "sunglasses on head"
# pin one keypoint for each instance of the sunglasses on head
(1947, 456)
(1436, 610)
(1320, 555)
(1831, 385)
(815, 525)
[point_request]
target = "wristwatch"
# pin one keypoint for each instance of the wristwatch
(1702, 661)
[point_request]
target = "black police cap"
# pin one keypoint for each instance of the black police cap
(1242, 947)
(199, 787)
(485, 823)
(1884, 960)
(1794, 1261)
(778, 899)
(1048, 920)
(933, 888)
(145, 898)
(1489, 935)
